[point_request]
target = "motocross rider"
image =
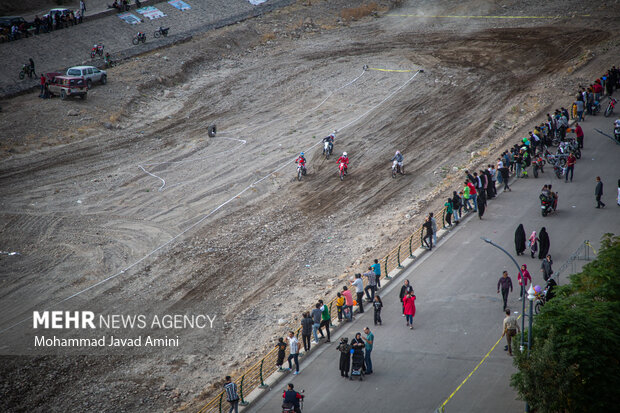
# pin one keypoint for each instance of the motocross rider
(344, 159)
(301, 159)
(398, 157)
(330, 139)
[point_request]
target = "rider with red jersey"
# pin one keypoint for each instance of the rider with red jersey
(301, 160)
(344, 159)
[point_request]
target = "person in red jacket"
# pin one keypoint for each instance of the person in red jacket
(523, 280)
(344, 159)
(570, 166)
(473, 194)
(409, 308)
(579, 133)
(42, 83)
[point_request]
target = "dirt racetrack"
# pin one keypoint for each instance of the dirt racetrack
(132, 197)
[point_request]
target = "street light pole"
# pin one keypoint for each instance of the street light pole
(488, 241)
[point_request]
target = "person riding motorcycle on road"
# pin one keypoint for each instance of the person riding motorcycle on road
(344, 159)
(398, 157)
(291, 397)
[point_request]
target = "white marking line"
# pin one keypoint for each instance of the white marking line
(209, 214)
(161, 188)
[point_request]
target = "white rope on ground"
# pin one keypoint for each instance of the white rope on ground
(192, 226)
(161, 188)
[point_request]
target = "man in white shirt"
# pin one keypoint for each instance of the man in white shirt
(359, 290)
(293, 344)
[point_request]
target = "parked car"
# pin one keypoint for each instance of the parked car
(9, 21)
(62, 11)
(67, 86)
(89, 73)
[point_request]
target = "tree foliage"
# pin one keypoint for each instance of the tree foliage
(574, 364)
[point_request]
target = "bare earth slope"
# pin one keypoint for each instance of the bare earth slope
(132, 191)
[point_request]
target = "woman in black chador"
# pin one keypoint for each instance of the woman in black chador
(543, 242)
(520, 239)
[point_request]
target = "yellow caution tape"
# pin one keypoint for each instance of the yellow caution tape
(590, 245)
(443, 405)
(485, 17)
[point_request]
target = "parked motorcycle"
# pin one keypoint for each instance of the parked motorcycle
(610, 107)
(96, 50)
(25, 71)
(162, 31)
(617, 133)
(139, 37)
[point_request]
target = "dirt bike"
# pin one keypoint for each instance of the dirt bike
(26, 71)
(342, 170)
(617, 134)
(610, 107)
(397, 169)
(328, 147)
(96, 50)
(559, 169)
(301, 171)
(546, 205)
(140, 37)
(162, 31)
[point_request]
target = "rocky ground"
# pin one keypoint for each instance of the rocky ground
(115, 182)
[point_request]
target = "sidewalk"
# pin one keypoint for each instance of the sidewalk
(459, 314)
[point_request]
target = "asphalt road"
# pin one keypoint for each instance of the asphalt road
(459, 313)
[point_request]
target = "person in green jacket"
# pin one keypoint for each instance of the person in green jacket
(449, 211)
(326, 319)
(466, 197)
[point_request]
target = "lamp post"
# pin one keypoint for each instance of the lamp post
(488, 241)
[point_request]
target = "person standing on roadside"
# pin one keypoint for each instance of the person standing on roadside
(372, 284)
(316, 322)
(368, 344)
(427, 226)
(348, 302)
(570, 166)
(546, 268)
(457, 204)
(466, 197)
(505, 284)
(449, 211)
(231, 395)
(306, 330)
(409, 308)
(598, 192)
(510, 329)
(293, 344)
(524, 277)
(281, 346)
(339, 305)
(473, 195)
(376, 267)
(326, 319)
(579, 133)
(404, 290)
(82, 8)
(434, 225)
(359, 290)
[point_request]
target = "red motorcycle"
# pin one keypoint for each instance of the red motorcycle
(96, 50)
(610, 107)
(342, 170)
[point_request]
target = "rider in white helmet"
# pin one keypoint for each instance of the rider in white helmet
(398, 158)
(344, 159)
